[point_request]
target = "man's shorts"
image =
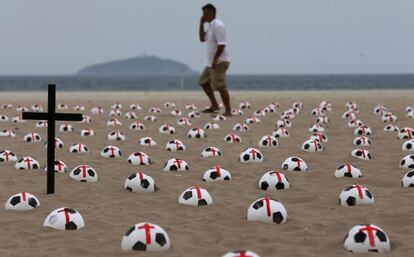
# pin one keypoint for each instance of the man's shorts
(215, 77)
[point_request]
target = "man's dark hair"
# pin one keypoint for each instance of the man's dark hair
(209, 7)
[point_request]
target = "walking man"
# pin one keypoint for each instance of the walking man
(213, 77)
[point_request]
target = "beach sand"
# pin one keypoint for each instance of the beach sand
(316, 223)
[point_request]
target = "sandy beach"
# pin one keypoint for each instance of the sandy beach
(316, 225)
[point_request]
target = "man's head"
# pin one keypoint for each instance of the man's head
(209, 12)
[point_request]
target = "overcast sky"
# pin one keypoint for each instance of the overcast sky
(265, 36)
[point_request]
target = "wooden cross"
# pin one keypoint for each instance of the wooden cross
(51, 116)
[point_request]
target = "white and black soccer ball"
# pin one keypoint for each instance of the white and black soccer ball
(41, 124)
(135, 107)
(350, 115)
(166, 129)
(354, 123)
(219, 117)
(316, 128)
(362, 141)
(116, 106)
(59, 167)
(232, 138)
(312, 146)
(175, 145)
(408, 145)
(176, 164)
(284, 124)
(190, 106)
(36, 108)
(195, 196)
(32, 137)
(113, 122)
(274, 180)
(86, 119)
(140, 182)
(58, 143)
(139, 158)
(7, 156)
(252, 120)
(22, 202)
(322, 120)
(3, 118)
(389, 117)
(78, 148)
(319, 136)
(116, 136)
(115, 113)
(267, 210)
(348, 170)
(379, 109)
(268, 141)
(196, 133)
(147, 141)
(241, 127)
(27, 163)
(280, 132)
(361, 154)
(176, 113)
(79, 107)
(184, 122)
(407, 162)
(211, 125)
(21, 108)
(137, 126)
(317, 112)
(154, 110)
(355, 195)
(18, 119)
(251, 155)
(7, 133)
(244, 105)
(241, 254)
(408, 179)
(169, 105)
(294, 163)
(194, 114)
(62, 106)
(130, 115)
(111, 151)
(66, 127)
(363, 131)
(145, 237)
(64, 219)
(151, 118)
(87, 132)
(216, 173)
(211, 151)
(391, 128)
(365, 238)
(406, 133)
(237, 112)
(97, 110)
(84, 173)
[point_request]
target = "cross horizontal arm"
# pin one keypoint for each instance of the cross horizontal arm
(55, 116)
(68, 116)
(35, 116)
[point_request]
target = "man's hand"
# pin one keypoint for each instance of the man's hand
(214, 63)
(203, 20)
(201, 33)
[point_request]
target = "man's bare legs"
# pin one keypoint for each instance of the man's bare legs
(210, 93)
(224, 93)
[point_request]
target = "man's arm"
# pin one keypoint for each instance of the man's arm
(201, 32)
(220, 49)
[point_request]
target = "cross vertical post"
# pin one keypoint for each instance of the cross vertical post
(51, 105)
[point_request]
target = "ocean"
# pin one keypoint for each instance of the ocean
(235, 82)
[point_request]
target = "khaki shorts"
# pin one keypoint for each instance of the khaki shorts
(215, 77)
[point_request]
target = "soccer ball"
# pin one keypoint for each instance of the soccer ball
(268, 141)
(7, 156)
(22, 108)
(294, 163)
(166, 129)
(389, 117)
(66, 128)
(154, 110)
(355, 195)
(348, 170)
(280, 132)
(244, 105)
(312, 146)
(361, 154)
(297, 104)
(408, 145)
(32, 137)
(64, 219)
(406, 133)
(316, 128)
(379, 109)
(111, 151)
(3, 118)
(267, 210)
(97, 110)
(78, 148)
(84, 173)
(169, 105)
(184, 122)
(219, 118)
(354, 123)
(251, 155)
(252, 120)
(232, 138)
(86, 119)
(145, 237)
(113, 122)
(175, 145)
(18, 119)
(362, 141)
(216, 173)
(241, 254)
(137, 126)
(7, 133)
(139, 158)
(116, 136)
(147, 141)
(350, 115)
(176, 113)
(79, 107)
(241, 127)
(116, 106)
(22, 202)
(283, 124)
(140, 182)
(27, 163)
(366, 238)
(135, 107)
(196, 133)
(58, 143)
(41, 124)
(237, 112)
(191, 106)
(87, 132)
(391, 128)
(319, 136)
(59, 167)
(36, 108)
(194, 114)
(407, 162)
(176, 164)
(115, 113)
(211, 125)
(322, 120)
(408, 179)
(273, 180)
(130, 115)
(195, 196)
(150, 118)
(363, 131)
(317, 112)
(211, 151)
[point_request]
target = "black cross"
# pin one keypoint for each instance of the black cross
(51, 116)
